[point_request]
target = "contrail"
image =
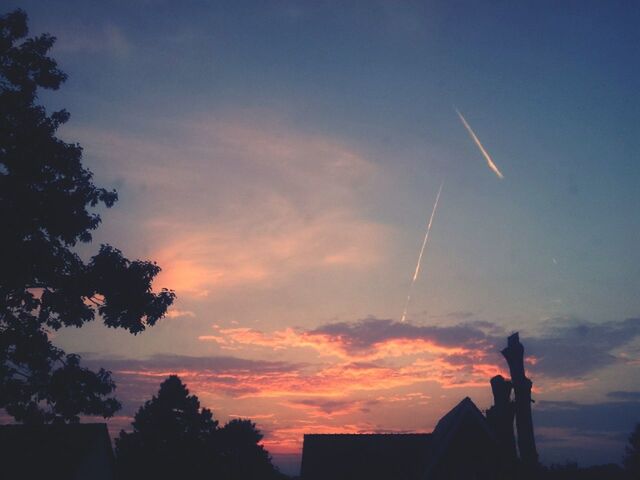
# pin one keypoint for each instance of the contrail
(424, 244)
(492, 165)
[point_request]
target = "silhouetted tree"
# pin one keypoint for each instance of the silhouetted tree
(245, 458)
(632, 454)
(172, 438)
(45, 199)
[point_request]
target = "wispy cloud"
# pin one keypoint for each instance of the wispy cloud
(108, 39)
(177, 313)
(368, 339)
(265, 201)
(253, 379)
(566, 350)
(633, 395)
(322, 407)
(198, 262)
(574, 349)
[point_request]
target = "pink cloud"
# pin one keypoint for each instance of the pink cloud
(260, 202)
(177, 313)
(369, 339)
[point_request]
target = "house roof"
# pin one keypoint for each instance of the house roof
(451, 422)
(370, 456)
(55, 450)
(398, 456)
(449, 426)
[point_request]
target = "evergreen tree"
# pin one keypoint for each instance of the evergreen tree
(172, 438)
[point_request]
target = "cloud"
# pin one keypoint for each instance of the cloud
(227, 377)
(570, 349)
(596, 417)
(368, 333)
(370, 339)
(287, 380)
(625, 395)
(139, 379)
(212, 261)
(588, 433)
(566, 350)
(108, 39)
(253, 201)
(287, 398)
(372, 364)
(210, 363)
(177, 313)
(561, 445)
(457, 315)
(330, 408)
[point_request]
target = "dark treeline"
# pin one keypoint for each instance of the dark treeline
(173, 437)
(630, 469)
(571, 471)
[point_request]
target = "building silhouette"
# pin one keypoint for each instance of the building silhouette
(465, 444)
(56, 452)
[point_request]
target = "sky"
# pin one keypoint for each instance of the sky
(280, 161)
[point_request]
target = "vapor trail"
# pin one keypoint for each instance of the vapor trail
(486, 155)
(424, 244)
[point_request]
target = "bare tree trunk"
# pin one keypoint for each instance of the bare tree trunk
(514, 354)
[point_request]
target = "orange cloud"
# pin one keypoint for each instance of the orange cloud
(329, 381)
(177, 313)
(330, 345)
(326, 408)
(211, 259)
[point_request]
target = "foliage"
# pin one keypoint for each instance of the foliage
(173, 437)
(632, 454)
(46, 198)
(244, 457)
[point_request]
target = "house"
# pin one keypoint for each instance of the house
(461, 446)
(56, 452)
(464, 445)
(371, 456)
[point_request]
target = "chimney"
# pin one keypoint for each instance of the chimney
(514, 354)
(500, 416)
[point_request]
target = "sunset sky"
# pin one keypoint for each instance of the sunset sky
(280, 159)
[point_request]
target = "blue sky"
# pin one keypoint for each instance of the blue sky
(280, 160)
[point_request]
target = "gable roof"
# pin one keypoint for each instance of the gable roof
(370, 456)
(57, 451)
(412, 456)
(451, 424)
(452, 421)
